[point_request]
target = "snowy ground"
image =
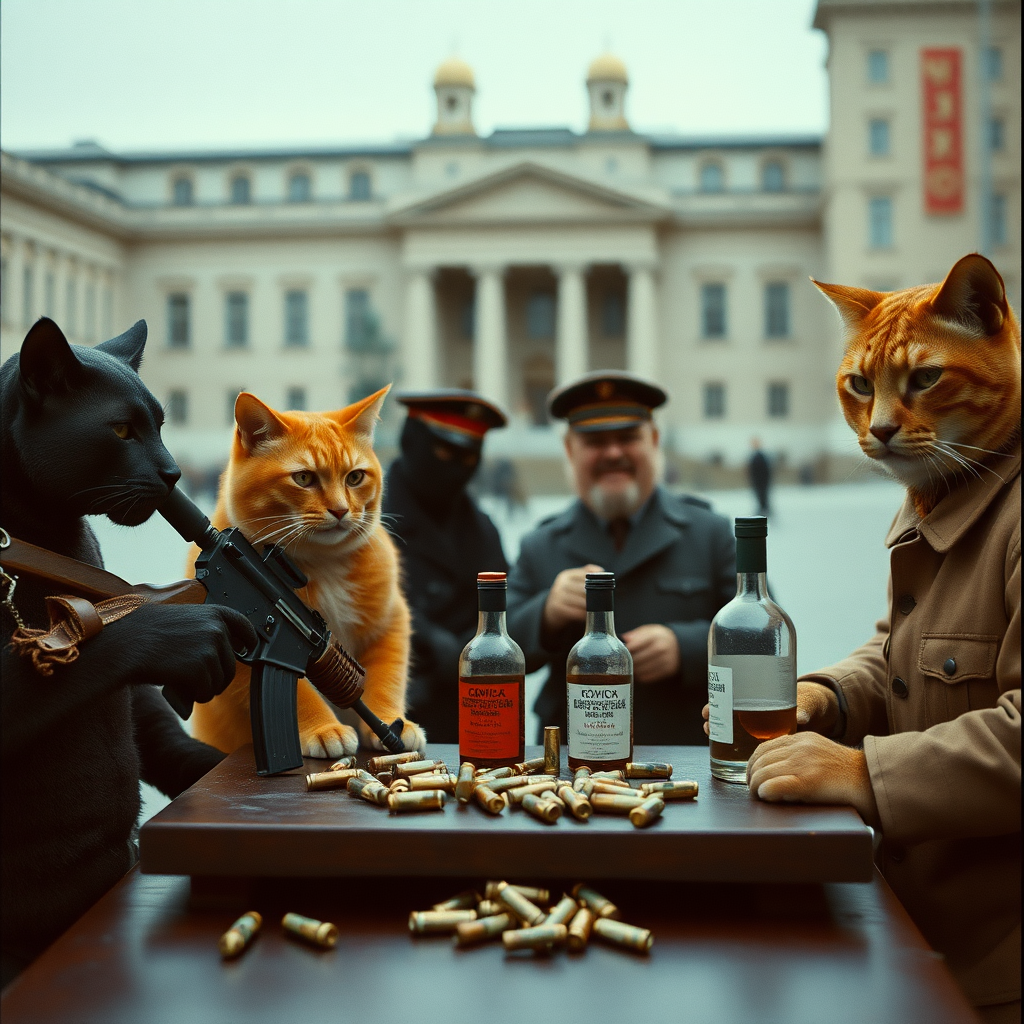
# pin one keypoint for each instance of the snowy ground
(826, 560)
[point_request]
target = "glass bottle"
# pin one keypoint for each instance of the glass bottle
(751, 662)
(492, 686)
(599, 686)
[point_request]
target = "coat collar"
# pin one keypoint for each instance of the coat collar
(958, 511)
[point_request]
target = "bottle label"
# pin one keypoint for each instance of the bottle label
(758, 682)
(600, 720)
(489, 717)
(720, 704)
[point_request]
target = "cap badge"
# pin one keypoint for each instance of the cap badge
(605, 389)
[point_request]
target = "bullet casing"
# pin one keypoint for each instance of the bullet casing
(563, 911)
(579, 929)
(585, 787)
(648, 770)
(407, 769)
(627, 936)
(611, 788)
(615, 773)
(542, 808)
(385, 778)
(382, 761)
(438, 922)
(425, 800)
(520, 905)
(370, 790)
(650, 810)
(583, 772)
(470, 932)
(465, 900)
(490, 774)
(425, 782)
(684, 789)
(599, 905)
(345, 762)
(531, 892)
(331, 780)
(240, 934)
(552, 749)
(488, 799)
(516, 795)
(489, 908)
(529, 766)
(605, 803)
(512, 782)
(399, 786)
(540, 937)
(578, 805)
(466, 782)
(320, 933)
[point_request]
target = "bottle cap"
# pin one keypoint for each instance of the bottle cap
(751, 526)
(600, 581)
(491, 581)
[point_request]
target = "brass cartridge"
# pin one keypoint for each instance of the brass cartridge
(684, 789)
(331, 780)
(577, 804)
(598, 904)
(554, 798)
(407, 769)
(585, 787)
(385, 778)
(438, 922)
(628, 936)
(540, 937)
(428, 781)
(579, 929)
(512, 782)
(403, 803)
(612, 788)
(605, 803)
(563, 911)
(345, 762)
(515, 795)
(529, 766)
(382, 761)
(519, 904)
(466, 782)
(320, 933)
(370, 790)
(617, 773)
(583, 772)
(470, 932)
(399, 786)
(488, 908)
(648, 770)
(465, 900)
(552, 749)
(542, 809)
(240, 934)
(648, 811)
(488, 799)
(490, 774)
(530, 892)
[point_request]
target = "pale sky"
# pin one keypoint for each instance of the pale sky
(169, 74)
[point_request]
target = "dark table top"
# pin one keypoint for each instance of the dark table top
(233, 823)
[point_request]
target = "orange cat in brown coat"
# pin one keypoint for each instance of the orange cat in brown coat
(312, 483)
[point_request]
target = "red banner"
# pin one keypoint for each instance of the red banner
(942, 130)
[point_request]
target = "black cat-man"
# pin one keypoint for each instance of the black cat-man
(444, 541)
(81, 436)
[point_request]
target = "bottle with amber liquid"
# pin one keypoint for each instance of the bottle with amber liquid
(492, 686)
(751, 662)
(599, 686)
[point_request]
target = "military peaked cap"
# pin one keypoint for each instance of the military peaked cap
(457, 416)
(605, 400)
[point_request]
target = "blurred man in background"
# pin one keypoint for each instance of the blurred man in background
(759, 472)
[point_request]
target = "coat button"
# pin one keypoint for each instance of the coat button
(899, 687)
(906, 604)
(949, 666)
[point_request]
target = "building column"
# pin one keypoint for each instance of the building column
(490, 341)
(421, 348)
(14, 297)
(641, 323)
(571, 355)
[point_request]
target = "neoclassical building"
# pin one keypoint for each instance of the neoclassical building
(517, 260)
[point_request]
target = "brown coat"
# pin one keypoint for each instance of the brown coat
(935, 699)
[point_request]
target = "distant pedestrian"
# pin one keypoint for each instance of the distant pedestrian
(759, 471)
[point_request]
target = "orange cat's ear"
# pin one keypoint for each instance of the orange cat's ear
(361, 417)
(257, 422)
(852, 304)
(973, 296)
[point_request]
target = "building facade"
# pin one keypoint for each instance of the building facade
(519, 260)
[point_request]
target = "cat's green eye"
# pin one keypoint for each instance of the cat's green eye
(123, 430)
(304, 478)
(861, 385)
(355, 478)
(925, 377)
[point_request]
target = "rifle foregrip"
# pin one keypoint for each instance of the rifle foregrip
(337, 675)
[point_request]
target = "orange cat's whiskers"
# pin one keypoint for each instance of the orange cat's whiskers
(966, 461)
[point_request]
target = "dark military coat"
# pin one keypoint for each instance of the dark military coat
(439, 566)
(677, 568)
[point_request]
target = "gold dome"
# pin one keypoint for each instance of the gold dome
(607, 68)
(455, 72)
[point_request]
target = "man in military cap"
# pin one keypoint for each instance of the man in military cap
(674, 562)
(444, 540)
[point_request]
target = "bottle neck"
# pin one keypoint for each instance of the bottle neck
(491, 622)
(752, 585)
(601, 622)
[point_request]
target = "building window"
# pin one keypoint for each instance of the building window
(181, 191)
(778, 400)
(712, 309)
(878, 67)
(997, 220)
(178, 326)
(296, 318)
(359, 186)
(540, 316)
(50, 295)
(295, 399)
(232, 394)
(880, 222)
(71, 298)
(300, 189)
(28, 298)
(241, 190)
(776, 310)
(5, 282)
(878, 136)
(237, 316)
(994, 64)
(712, 177)
(177, 408)
(997, 134)
(90, 311)
(773, 177)
(714, 401)
(467, 319)
(613, 315)
(357, 319)
(108, 311)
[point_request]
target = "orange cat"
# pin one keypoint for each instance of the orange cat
(930, 381)
(312, 483)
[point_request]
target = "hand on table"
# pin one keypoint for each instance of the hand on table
(655, 652)
(567, 598)
(816, 709)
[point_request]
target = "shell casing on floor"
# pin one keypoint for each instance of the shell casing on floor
(650, 810)
(490, 801)
(529, 891)
(598, 780)
(516, 795)
(552, 749)
(320, 933)
(465, 900)
(385, 778)
(382, 761)
(428, 781)
(627, 936)
(425, 800)
(438, 922)
(542, 808)
(465, 783)
(470, 932)
(407, 769)
(648, 770)
(583, 772)
(578, 805)
(529, 766)
(520, 905)
(399, 786)
(606, 803)
(684, 789)
(488, 908)
(345, 762)
(240, 934)
(579, 929)
(512, 782)
(612, 788)
(490, 774)
(554, 798)
(615, 773)
(539, 937)
(331, 780)
(370, 790)
(599, 905)
(563, 911)
(585, 787)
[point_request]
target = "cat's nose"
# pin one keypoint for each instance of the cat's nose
(338, 513)
(170, 476)
(885, 433)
